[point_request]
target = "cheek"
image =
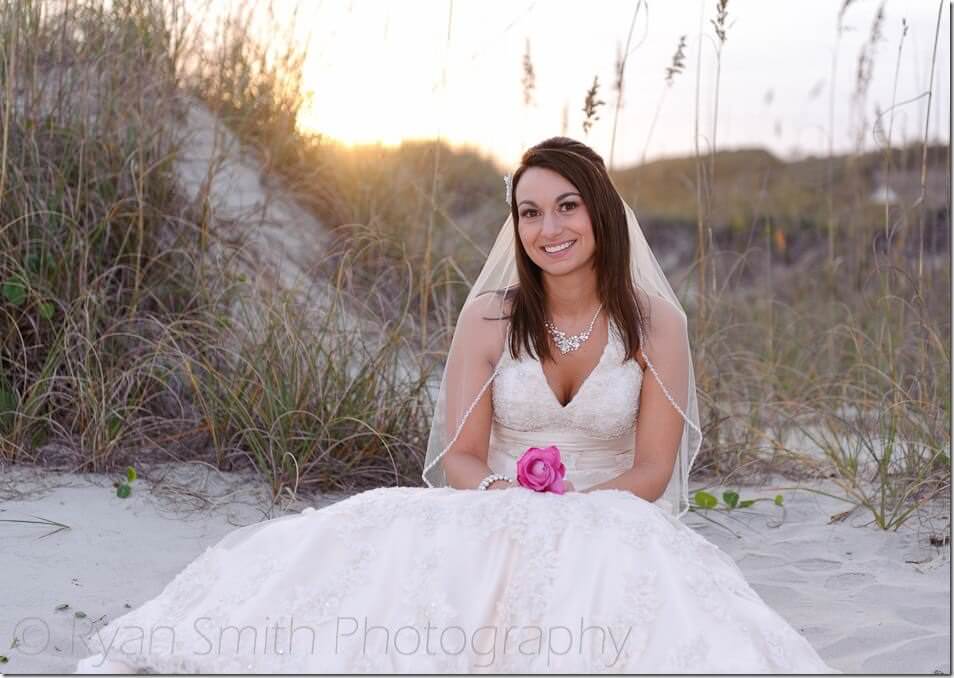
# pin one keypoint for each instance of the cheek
(586, 226)
(586, 229)
(527, 237)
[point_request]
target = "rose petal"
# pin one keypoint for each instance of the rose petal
(538, 468)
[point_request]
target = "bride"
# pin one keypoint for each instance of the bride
(570, 337)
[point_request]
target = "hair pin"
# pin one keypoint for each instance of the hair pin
(508, 180)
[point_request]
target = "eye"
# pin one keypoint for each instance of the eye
(526, 212)
(569, 204)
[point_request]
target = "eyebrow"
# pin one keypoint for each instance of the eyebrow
(558, 198)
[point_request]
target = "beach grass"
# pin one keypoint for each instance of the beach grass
(820, 322)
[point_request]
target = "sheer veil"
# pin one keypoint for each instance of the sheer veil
(481, 331)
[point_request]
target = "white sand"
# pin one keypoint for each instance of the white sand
(117, 551)
(850, 588)
(847, 587)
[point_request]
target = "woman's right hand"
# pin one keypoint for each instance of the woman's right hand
(500, 485)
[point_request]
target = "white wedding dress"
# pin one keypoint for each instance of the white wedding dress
(427, 580)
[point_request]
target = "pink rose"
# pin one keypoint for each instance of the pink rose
(541, 470)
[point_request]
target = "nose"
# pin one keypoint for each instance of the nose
(551, 226)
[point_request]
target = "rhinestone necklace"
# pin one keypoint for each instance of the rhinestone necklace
(570, 343)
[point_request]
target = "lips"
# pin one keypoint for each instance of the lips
(564, 246)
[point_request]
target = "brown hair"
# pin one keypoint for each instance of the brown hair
(584, 168)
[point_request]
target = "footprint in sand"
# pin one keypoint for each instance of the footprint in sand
(932, 616)
(816, 564)
(760, 561)
(848, 580)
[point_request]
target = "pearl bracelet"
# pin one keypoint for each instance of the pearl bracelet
(486, 482)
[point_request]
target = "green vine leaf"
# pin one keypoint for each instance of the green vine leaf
(14, 291)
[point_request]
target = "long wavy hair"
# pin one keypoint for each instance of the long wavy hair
(584, 168)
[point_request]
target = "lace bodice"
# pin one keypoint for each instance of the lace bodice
(604, 407)
(595, 431)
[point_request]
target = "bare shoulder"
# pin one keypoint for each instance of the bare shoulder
(482, 324)
(664, 314)
(666, 324)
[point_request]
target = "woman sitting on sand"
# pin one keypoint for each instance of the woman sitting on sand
(549, 538)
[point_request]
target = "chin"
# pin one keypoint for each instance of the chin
(566, 266)
(561, 269)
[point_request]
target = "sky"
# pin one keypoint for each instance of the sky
(383, 72)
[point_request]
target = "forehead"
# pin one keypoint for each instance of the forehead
(542, 185)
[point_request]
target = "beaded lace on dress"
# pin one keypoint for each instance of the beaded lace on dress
(404, 557)
(595, 430)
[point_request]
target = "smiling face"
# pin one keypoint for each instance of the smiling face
(554, 224)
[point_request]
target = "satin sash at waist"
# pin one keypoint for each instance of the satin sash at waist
(589, 461)
(578, 451)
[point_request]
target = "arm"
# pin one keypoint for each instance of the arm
(477, 345)
(659, 426)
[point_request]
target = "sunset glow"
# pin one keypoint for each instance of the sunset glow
(382, 72)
